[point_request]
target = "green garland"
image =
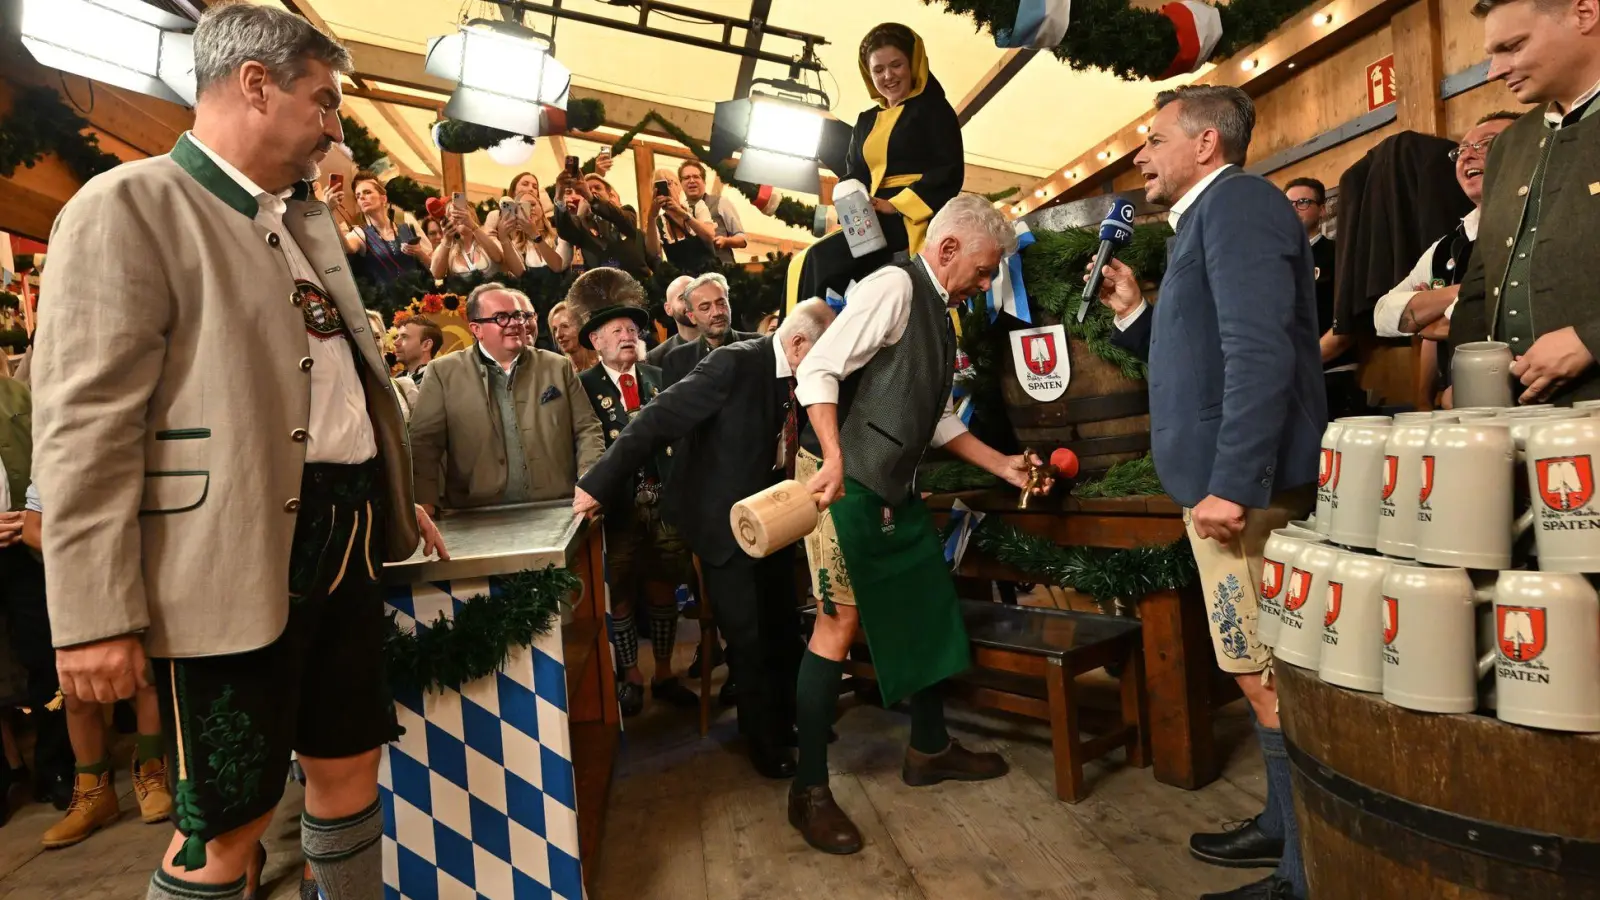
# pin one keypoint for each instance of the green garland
(1129, 478)
(1105, 575)
(40, 124)
(365, 150)
(1134, 43)
(949, 477)
(485, 631)
(404, 192)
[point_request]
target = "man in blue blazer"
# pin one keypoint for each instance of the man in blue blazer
(1237, 405)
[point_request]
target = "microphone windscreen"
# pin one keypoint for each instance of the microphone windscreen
(435, 207)
(1065, 462)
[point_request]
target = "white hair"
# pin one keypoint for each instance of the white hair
(676, 288)
(700, 282)
(967, 217)
(809, 317)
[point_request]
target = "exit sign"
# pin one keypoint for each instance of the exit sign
(1380, 83)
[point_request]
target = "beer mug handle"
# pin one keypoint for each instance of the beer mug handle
(1486, 664)
(1522, 524)
(1481, 595)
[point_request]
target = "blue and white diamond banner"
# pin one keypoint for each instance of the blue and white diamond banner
(479, 798)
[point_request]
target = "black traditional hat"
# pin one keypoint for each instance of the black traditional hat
(602, 294)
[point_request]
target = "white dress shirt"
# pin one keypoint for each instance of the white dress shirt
(783, 370)
(1555, 112)
(340, 428)
(616, 379)
(875, 316)
(1176, 213)
(1386, 315)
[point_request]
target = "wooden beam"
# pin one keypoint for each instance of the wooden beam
(395, 97)
(424, 152)
(644, 170)
(998, 76)
(474, 189)
(1299, 42)
(1418, 67)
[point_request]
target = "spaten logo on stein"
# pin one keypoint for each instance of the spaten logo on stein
(1391, 619)
(1427, 483)
(1299, 587)
(1391, 469)
(1565, 482)
(1326, 466)
(1521, 632)
(1040, 353)
(1335, 603)
(1271, 580)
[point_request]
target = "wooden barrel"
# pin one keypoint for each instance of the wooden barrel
(1104, 416)
(1404, 805)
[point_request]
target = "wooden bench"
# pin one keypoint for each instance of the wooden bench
(1024, 662)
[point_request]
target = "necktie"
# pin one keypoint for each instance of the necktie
(630, 393)
(791, 433)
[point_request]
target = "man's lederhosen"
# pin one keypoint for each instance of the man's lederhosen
(319, 690)
(640, 545)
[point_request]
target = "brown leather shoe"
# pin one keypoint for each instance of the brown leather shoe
(956, 763)
(821, 822)
(93, 807)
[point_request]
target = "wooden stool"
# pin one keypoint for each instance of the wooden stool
(1024, 661)
(708, 646)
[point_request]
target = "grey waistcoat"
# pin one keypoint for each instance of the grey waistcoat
(519, 481)
(890, 407)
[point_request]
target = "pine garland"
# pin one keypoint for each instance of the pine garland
(365, 150)
(40, 124)
(948, 477)
(1130, 42)
(1105, 575)
(405, 193)
(1129, 478)
(481, 638)
(456, 136)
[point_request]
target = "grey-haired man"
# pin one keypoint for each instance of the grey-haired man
(236, 499)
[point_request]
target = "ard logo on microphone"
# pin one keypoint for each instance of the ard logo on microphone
(1039, 356)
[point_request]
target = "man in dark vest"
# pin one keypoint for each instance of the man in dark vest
(877, 391)
(1423, 301)
(1309, 197)
(1529, 283)
(645, 557)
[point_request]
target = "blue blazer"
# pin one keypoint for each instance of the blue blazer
(1237, 402)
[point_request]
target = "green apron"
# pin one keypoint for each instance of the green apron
(903, 591)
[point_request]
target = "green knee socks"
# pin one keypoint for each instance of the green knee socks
(816, 703)
(928, 734)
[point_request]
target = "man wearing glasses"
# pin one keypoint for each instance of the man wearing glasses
(1309, 197)
(501, 421)
(1423, 301)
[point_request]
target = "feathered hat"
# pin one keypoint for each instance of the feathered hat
(602, 294)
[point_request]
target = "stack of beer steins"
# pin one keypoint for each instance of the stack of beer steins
(1449, 563)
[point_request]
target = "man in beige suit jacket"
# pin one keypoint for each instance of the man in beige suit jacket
(501, 421)
(223, 505)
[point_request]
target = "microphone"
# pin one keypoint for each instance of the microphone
(1116, 229)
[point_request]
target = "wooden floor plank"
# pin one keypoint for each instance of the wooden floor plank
(752, 853)
(652, 851)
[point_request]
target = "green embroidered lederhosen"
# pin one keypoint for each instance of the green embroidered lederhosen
(903, 590)
(320, 689)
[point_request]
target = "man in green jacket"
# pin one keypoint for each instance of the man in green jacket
(1528, 284)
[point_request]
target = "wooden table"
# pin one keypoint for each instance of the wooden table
(1183, 685)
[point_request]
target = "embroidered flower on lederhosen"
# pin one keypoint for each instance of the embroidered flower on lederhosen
(1226, 616)
(323, 321)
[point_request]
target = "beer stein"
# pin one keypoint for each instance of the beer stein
(1305, 603)
(1464, 499)
(1277, 561)
(1547, 630)
(1429, 630)
(1560, 464)
(1352, 632)
(1356, 495)
(1480, 374)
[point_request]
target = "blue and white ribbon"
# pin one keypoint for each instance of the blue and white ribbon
(836, 300)
(963, 521)
(1007, 293)
(1040, 23)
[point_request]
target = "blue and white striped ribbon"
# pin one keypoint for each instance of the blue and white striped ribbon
(1040, 23)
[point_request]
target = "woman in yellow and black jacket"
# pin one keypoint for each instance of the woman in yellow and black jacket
(906, 150)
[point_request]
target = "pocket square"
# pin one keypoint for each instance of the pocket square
(550, 393)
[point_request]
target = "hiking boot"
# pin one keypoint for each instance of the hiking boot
(150, 786)
(954, 763)
(93, 807)
(821, 822)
